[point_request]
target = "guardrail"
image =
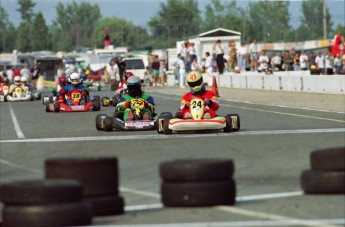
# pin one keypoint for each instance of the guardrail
(298, 81)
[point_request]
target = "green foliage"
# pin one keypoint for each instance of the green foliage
(26, 10)
(176, 20)
(23, 38)
(39, 33)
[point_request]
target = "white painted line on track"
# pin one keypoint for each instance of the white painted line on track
(4, 162)
(19, 132)
(139, 192)
(176, 136)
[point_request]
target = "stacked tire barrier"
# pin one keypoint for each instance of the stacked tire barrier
(99, 178)
(327, 173)
(199, 182)
(44, 203)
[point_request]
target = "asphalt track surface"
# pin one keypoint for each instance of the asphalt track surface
(270, 152)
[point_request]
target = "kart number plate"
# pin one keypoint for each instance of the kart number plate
(138, 124)
(77, 107)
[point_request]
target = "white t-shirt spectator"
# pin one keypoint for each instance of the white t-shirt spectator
(242, 51)
(303, 61)
(25, 72)
(263, 60)
(112, 70)
(9, 73)
(320, 61)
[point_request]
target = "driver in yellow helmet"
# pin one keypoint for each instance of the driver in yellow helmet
(198, 89)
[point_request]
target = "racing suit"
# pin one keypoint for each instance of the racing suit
(13, 88)
(123, 104)
(65, 92)
(211, 108)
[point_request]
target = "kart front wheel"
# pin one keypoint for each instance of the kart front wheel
(98, 121)
(108, 124)
(228, 127)
(96, 103)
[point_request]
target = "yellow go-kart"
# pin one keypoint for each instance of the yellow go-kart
(167, 125)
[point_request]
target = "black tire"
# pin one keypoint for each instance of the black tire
(98, 121)
(196, 170)
(106, 205)
(47, 108)
(166, 130)
(108, 124)
(66, 214)
(98, 176)
(178, 114)
(40, 192)
(57, 107)
(37, 96)
(96, 103)
(319, 182)
(228, 127)
(159, 118)
(238, 122)
(114, 101)
(32, 98)
(198, 194)
(332, 159)
(103, 101)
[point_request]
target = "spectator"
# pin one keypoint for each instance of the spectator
(263, 61)
(214, 62)
(195, 66)
(329, 61)
(203, 64)
(209, 68)
(106, 39)
(253, 51)
(338, 64)
(288, 61)
(219, 51)
(311, 59)
(303, 60)
(59, 72)
(16, 71)
(232, 63)
(9, 74)
(182, 70)
(276, 62)
(35, 74)
(191, 52)
(112, 69)
(162, 70)
(296, 62)
(155, 70)
(320, 63)
(25, 72)
(242, 57)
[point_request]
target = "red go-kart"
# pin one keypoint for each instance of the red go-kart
(77, 102)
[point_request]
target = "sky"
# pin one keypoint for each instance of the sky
(141, 11)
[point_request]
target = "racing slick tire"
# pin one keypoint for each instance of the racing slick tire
(114, 100)
(198, 193)
(228, 127)
(106, 205)
(108, 123)
(41, 192)
(105, 101)
(166, 130)
(196, 170)
(57, 107)
(159, 121)
(238, 126)
(32, 98)
(96, 103)
(97, 175)
(323, 182)
(331, 159)
(47, 108)
(98, 121)
(38, 96)
(65, 214)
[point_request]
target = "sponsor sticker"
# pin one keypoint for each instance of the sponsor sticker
(77, 107)
(138, 124)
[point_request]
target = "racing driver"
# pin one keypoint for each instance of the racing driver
(198, 89)
(76, 84)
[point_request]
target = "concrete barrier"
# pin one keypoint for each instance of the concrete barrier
(295, 81)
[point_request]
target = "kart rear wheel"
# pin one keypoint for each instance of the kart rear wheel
(47, 107)
(96, 103)
(228, 127)
(56, 107)
(166, 129)
(235, 122)
(108, 124)
(98, 121)
(114, 101)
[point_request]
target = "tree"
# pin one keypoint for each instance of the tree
(26, 10)
(176, 20)
(7, 32)
(74, 24)
(311, 26)
(39, 33)
(268, 21)
(225, 15)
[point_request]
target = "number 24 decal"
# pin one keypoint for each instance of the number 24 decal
(196, 104)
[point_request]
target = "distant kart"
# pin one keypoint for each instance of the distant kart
(77, 103)
(106, 101)
(167, 125)
(109, 123)
(18, 95)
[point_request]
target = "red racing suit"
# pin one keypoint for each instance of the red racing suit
(207, 94)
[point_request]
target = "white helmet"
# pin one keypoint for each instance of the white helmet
(17, 80)
(75, 78)
(24, 80)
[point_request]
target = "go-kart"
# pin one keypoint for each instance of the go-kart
(19, 95)
(106, 101)
(76, 103)
(109, 123)
(167, 125)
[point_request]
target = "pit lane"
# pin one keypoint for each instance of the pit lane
(270, 152)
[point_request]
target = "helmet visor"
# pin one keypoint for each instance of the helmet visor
(195, 83)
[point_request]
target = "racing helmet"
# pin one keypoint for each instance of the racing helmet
(17, 80)
(75, 78)
(24, 80)
(62, 81)
(195, 81)
(128, 75)
(134, 86)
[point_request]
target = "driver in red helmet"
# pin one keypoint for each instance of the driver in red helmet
(62, 83)
(198, 89)
(122, 88)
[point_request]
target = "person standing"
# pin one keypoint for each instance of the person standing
(155, 70)
(121, 65)
(112, 71)
(25, 72)
(329, 61)
(9, 74)
(320, 63)
(35, 74)
(263, 60)
(182, 70)
(209, 68)
(242, 57)
(253, 51)
(303, 61)
(219, 50)
(106, 39)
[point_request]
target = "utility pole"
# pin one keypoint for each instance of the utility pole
(324, 20)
